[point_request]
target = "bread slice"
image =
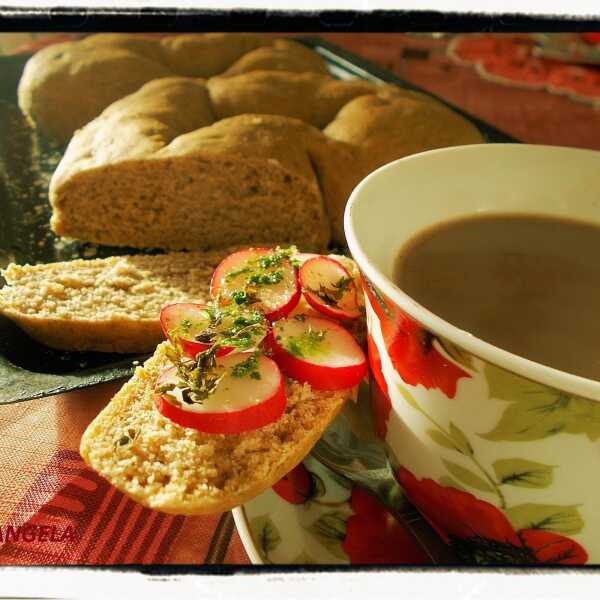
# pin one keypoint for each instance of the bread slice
(106, 304)
(132, 177)
(182, 471)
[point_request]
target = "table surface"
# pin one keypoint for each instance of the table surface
(50, 427)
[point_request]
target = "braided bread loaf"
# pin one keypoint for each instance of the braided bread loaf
(269, 149)
(64, 86)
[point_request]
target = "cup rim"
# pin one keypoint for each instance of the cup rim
(524, 367)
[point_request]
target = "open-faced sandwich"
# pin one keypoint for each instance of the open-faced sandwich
(243, 387)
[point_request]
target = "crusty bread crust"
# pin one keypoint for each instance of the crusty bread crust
(120, 335)
(182, 471)
(64, 86)
(106, 304)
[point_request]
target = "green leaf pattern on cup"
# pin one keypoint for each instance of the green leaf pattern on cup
(460, 440)
(449, 482)
(536, 411)
(523, 473)
(267, 534)
(457, 354)
(439, 438)
(330, 530)
(467, 477)
(559, 519)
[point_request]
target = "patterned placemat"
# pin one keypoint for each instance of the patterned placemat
(513, 60)
(55, 510)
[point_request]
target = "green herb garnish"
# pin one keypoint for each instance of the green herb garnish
(306, 345)
(265, 278)
(260, 271)
(238, 326)
(198, 378)
(247, 367)
(185, 325)
(240, 297)
(127, 438)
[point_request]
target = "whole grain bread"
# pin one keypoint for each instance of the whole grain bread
(64, 86)
(107, 304)
(179, 470)
(162, 168)
(239, 181)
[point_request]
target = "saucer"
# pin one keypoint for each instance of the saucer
(313, 516)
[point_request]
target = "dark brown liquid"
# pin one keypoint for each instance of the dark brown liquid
(527, 284)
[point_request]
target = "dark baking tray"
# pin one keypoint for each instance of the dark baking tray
(28, 369)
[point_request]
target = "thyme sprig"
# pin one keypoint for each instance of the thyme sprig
(198, 378)
(331, 295)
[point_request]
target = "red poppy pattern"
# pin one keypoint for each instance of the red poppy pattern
(381, 403)
(295, 487)
(480, 533)
(370, 535)
(411, 347)
(373, 536)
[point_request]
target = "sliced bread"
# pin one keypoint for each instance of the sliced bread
(107, 304)
(132, 177)
(178, 470)
(195, 164)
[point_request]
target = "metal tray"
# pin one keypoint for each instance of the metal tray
(28, 369)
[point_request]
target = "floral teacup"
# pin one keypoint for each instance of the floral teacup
(499, 453)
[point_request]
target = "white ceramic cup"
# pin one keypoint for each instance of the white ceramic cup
(500, 454)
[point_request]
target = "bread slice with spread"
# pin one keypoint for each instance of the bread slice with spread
(243, 388)
(178, 470)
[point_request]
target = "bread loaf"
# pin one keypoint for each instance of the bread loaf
(158, 169)
(182, 471)
(64, 86)
(109, 304)
(231, 152)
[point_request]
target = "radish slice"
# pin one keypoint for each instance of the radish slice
(183, 323)
(197, 327)
(317, 351)
(302, 257)
(243, 399)
(329, 288)
(260, 277)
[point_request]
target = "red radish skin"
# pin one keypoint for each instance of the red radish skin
(230, 422)
(325, 271)
(287, 308)
(302, 257)
(318, 375)
(278, 299)
(170, 317)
